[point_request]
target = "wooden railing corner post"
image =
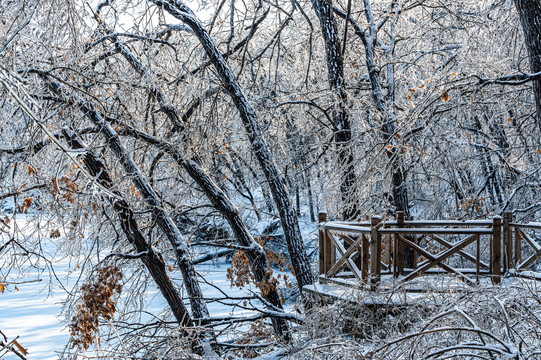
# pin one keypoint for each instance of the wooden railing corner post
(322, 218)
(496, 246)
(375, 251)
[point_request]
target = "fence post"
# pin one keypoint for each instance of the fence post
(399, 245)
(322, 217)
(507, 237)
(496, 247)
(375, 250)
(387, 257)
(365, 252)
(518, 247)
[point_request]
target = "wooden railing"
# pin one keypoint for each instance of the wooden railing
(370, 249)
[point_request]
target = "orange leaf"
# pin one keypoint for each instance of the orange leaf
(170, 268)
(2, 288)
(445, 96)
(21, 349)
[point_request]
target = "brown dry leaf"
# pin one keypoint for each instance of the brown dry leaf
(445, 96)
(21, 349)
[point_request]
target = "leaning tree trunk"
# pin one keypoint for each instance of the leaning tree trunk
(152, 260)
(340, 115)
(164, 221)
(529, 12)
(256, 254)
(275, 178)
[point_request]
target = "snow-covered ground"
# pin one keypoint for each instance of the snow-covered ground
(31, 314)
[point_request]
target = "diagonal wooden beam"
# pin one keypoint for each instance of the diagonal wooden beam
(530, 241)
(432, 257)
(334, 269)
(440, 257)
(464, 254)
(529, 261)
(348, 261)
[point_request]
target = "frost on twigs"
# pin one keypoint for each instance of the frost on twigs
(96, 301)
(489, 322)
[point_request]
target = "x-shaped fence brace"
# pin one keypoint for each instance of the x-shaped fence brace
(520, 234)
(359, 247)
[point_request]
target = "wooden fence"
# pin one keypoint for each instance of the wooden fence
(366, 250)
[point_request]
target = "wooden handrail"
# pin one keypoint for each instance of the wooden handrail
(435, 231)
(364, 256)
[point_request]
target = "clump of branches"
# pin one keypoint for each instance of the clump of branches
(499, 322)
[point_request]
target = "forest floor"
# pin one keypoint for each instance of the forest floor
(29, 311)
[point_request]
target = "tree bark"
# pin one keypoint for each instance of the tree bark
(164, 221)
(529, 12)
(275, 178)
(152, 260)
(340, 115)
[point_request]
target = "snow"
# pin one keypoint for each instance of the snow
(32, 314)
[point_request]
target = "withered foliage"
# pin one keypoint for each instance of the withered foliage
(96, 301)
(240, 275)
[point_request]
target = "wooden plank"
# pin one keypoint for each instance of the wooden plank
(477, 258)
(530, 225)
(437, 231)
(346, 228)
(322, 217)
(365, 253)
(399, 245)
(529, 240)
(415, 255)
(375, 250)
(464, 254)
(409, 223)
(441, 257)
(387, 246)
(507, 241)
(518, 246)
(329, 253)
(395, 262)
(496, 259)
(445, 223)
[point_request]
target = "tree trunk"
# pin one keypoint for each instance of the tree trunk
(164, 221)
(152, 260)
(256, 254)
(275, 178)
(529, 12)
(388, 128)
(340, 115)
